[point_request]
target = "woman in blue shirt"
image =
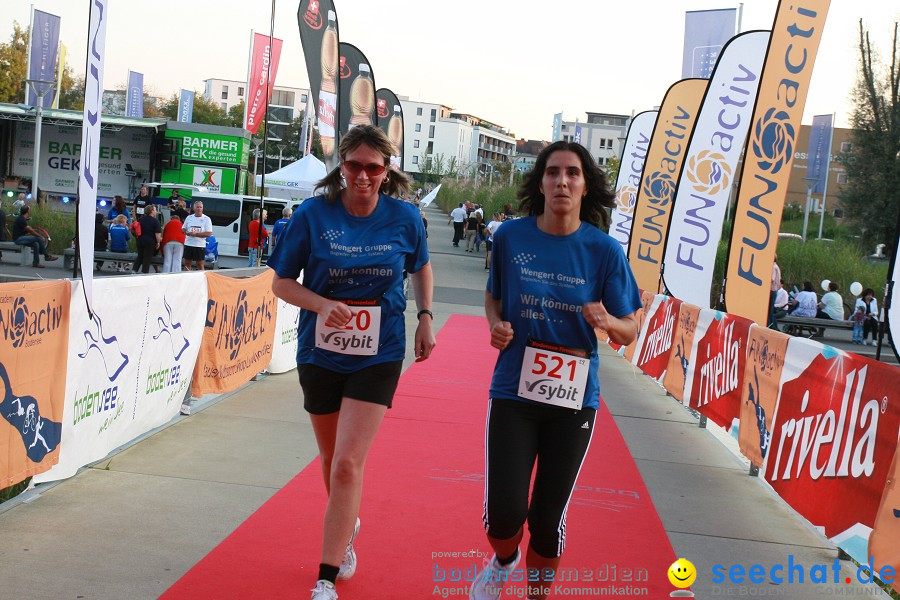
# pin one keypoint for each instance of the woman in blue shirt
(118, 208)
(354, 246)
(555, 278)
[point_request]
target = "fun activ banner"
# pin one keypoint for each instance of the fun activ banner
(711, 162)
(238, 332)
(318, 24)
(356, 94)
(883, 546)
(284, 351)
(770, 156)
(661, 168)
(637, 142)
(134, 95)
(705, 34)
(389, 114)
(655, 340)
(834, 437)
(682, 345)
(263, 69)
(42, 50)
(34, 340)
(893, 311)
(715, 372)
(766, 350)
(129, 365)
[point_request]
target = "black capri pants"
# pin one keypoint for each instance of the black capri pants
(517, 434)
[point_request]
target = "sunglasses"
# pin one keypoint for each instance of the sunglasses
(371, 169)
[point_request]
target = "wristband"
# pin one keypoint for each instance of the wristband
(424, 311)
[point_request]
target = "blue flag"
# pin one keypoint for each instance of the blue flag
(42, 56)
(186, 107)
(134, 96)
(705, 34)
(818, 160)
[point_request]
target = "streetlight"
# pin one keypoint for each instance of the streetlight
(41, 88)
(256, 142)
(281, 148)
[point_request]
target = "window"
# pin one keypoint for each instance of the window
(415, 160)
(609, 143)
(565, 138)
(846, 147)
(221, 211)
(224, 92)
(419, 111)
(433, 115)
(602, 144)
(415, 143)
(418, 127)
(431, 131)
(303, 98)
(842, 177)
(564, 127)
(282, 98)
(240, 91)
(224, 106)
(430, 148)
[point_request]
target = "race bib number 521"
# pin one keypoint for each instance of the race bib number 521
(554, 374)
(360, 336)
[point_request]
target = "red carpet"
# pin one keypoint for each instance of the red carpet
(422, 502)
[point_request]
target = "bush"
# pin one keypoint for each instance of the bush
(60, 225)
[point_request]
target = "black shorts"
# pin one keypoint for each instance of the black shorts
(323, 388)
(488, 244)
(194, 253)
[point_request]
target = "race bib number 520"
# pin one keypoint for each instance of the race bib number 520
(360, 336)
(554, 374)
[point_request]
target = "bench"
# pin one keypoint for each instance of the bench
(124, 257)
(808, 326)
(24, 251)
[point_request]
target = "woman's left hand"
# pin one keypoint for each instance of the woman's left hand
(425, 341)
(596, 316)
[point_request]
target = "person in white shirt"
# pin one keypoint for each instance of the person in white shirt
(804, 304)
(779, 305)
(489, 230)
(832, 305)
(458, 218)
(870, 309)
(197, 227)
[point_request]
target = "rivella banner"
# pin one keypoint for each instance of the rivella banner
(655, 339)
(712, 159)
(238, 332)
(356, 95)
(263, 69)
(661, 168)
(833, 439)
(34, 341)
(318, 24)
(637, 142)
(129, 365)
(770, 155)
(389, 114)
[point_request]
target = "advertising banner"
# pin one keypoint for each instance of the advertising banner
(883, 546)
(197, 147)
(134, 95)
(129, 365)
(42, 50)
(834, 437)
(775, 127)
(655, 340)
(389, 114)
(705, 185)
(663, 164)
(186, 106)
(577, 137)
(647, 298)
(263, 68)
(557, 127)
(61, 156)
(819, 153)
(893, 312)
(34, 340)
(680, 356)
(705, 34)
(356, 96)
(89, 166)
(715, 372)
(318, 24)
(284, 352)
(238, 333)
(766, 350)
(637, 142)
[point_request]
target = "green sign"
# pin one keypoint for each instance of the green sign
(211, 147)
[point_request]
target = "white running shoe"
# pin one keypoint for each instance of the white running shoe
(489, 582)
(324, 590)
(186, 409)
(348, 564)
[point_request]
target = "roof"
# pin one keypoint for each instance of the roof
(57, 116)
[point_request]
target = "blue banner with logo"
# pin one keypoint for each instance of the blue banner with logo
(818, 156)
(134, 96)
(705, 34)
(186, 107)
(557, 127)
(42, 56)
(577, 138)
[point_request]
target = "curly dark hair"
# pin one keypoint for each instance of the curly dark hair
(593, 205)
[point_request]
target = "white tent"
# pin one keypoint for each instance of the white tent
(295, 181)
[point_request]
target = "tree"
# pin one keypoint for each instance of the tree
(611, 170)
(13, 63)
(71, 95)
(873, 165)
(236, 115)
(205, 111)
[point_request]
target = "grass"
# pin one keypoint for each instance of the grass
(13, 490)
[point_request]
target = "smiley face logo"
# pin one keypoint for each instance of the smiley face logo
(682, 573)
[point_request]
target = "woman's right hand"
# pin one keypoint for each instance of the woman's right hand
(336, 314)
(501, 334)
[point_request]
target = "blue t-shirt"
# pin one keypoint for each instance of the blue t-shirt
(113, 213)
(278, 229)
(118, 237)
(345, 257)
(542, 281)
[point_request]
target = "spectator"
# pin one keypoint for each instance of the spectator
(101, 238)
(118, 238)
(458, 218)
(804, 304)
(118, 208)
(24, 235)
(149, 238)
(470, 227)
(870, 309)
(174, 199)
(775, 282)
(508, 212)
(173, 245)
(258, 236)
(489, 231)
(180, 210)
(5, 236)
(424, 222)
(20, 201)
(832, 305)
(780, 304)
(141, 202)
(859, 319)
(280, 224)
(197, 227)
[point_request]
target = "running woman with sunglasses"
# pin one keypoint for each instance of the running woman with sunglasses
(353, 245)
(555, 277)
